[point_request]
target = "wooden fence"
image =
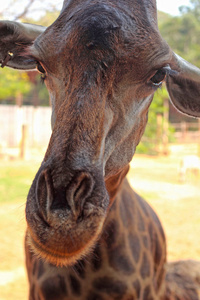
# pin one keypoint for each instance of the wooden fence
(35, 124)
(17, 121)
(187, 132)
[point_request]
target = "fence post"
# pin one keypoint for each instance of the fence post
(165, 137)
(199, 137)
(23, 143)
(184, 130)
(159, 120)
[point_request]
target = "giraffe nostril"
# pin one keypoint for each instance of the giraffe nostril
(78, 191)
(44, 192)
(70, 198)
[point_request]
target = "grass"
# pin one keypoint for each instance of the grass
(177, 204)
(15, 180)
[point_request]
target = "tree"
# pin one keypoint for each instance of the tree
(13, 83)
(182, 32)
(193, 9)
(28, 9)
(27, 84)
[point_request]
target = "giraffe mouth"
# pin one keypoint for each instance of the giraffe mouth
(60, 257)
(65, 240)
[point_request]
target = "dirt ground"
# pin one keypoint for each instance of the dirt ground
(156, 178)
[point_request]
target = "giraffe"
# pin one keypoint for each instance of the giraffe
(89, 235)
(127, 263)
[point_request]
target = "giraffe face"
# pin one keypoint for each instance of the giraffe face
(100, 97)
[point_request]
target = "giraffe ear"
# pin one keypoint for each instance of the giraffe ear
(15, 38)
(184, 86)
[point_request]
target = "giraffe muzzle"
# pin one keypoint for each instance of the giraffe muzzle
(70, 198)
(64, 221)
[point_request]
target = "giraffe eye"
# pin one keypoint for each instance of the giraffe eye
(40, 69)
(159, 77)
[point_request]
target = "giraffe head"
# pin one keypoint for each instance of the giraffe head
(101, 63)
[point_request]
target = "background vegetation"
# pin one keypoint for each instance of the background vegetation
(181, 32)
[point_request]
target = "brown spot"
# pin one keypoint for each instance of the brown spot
(109, 286)
(97, 259)
(94, 296)
(135, 247)
(140, 222)
(40, 269)
(151, 235)
(147, 294)
(111, 233)
(146, 242)
(126, 209)
(151, 230)
(143, 204)
(54, 288)
(120, 261)
(75, 285)
(137, 287)
(145, 267)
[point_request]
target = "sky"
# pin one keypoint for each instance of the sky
(169, 6)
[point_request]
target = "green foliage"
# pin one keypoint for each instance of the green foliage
(12, 83)
(193, 9)
(149, 140)
(43, 95)
(182, 33)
